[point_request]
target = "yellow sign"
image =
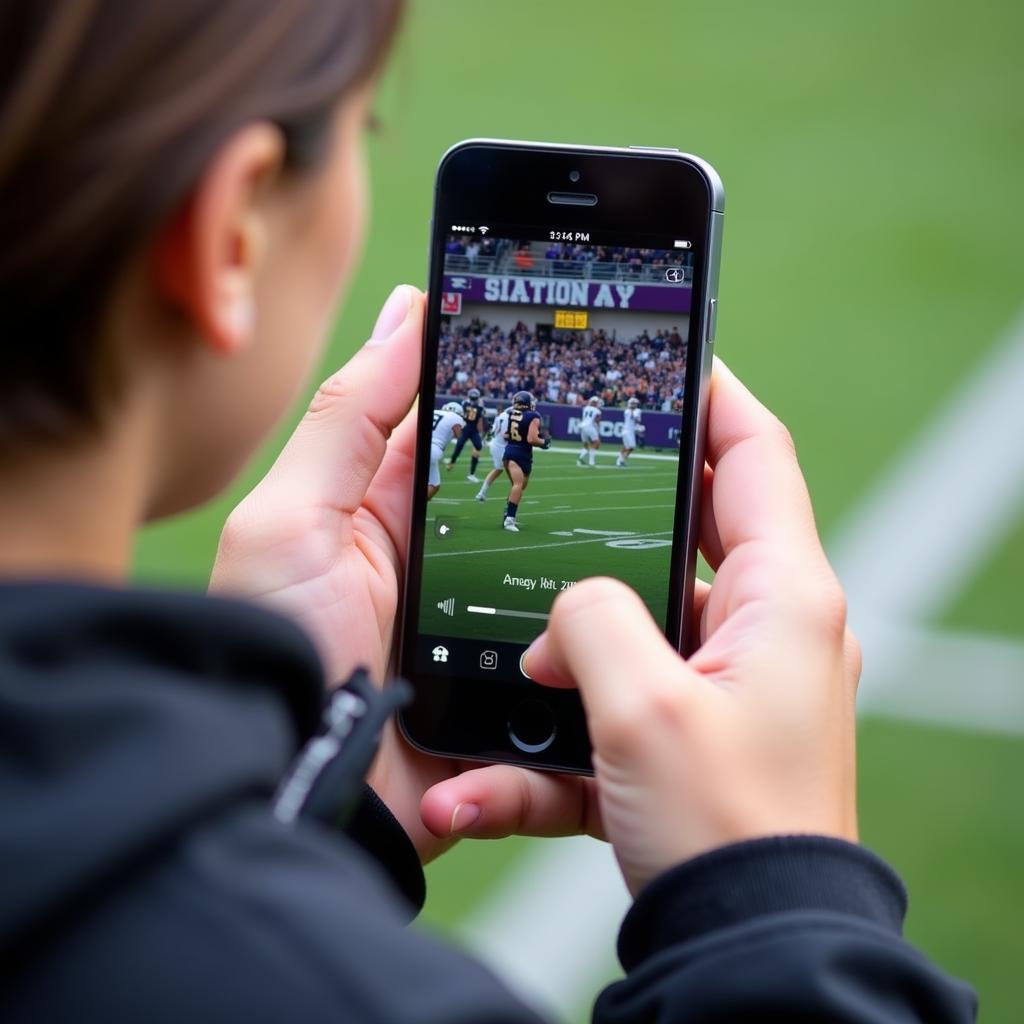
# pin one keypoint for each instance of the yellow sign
(571, 320)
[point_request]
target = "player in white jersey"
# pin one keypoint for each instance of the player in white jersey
(499, 439)
(590, 436)
(630, 425)
(448, 423)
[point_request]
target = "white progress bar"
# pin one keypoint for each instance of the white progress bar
(481, 609)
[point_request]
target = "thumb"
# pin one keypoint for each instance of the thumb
(338, 445)
(602, 639)
(502, 800)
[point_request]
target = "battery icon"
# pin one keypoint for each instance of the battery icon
(681, 243)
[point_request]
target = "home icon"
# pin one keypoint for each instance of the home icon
(440, 653)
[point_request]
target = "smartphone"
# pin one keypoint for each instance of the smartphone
(566, 360)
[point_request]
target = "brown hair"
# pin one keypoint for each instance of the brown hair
(109, 111)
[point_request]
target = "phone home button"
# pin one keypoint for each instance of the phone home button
(531, 726)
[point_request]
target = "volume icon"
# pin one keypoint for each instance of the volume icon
(447, 606)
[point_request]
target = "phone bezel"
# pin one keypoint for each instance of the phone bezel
(641, 191)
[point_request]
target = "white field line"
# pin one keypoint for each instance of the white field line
(937, 513)
(549, 929)
(534, 547)
(596, 508)
(616, 492)
(613, 450)
(957, 680)
(550, 926)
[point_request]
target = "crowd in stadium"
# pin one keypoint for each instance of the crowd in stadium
(635, 258)
(470, 247)
(618, 259)
(563, 368)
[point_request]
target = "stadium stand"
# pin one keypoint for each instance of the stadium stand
(465, 254)
(564, 369)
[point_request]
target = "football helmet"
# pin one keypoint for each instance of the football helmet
(452, 407)
(523, 399)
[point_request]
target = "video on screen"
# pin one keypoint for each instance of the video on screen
(561, 384)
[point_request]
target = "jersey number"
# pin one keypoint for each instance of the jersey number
(514, 433)
(437, 419)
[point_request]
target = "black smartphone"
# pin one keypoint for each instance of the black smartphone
(566, 361)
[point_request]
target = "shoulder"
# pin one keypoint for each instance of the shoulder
(246, 920)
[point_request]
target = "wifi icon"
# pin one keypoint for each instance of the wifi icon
(447, 606)
(484, 229)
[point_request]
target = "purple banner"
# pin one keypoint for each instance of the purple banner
(554, 291)
(661, 429)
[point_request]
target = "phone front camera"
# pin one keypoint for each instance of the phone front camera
(574, 175)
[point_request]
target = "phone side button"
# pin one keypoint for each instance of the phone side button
(531, 726)
(712, 321)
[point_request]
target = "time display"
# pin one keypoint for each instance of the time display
(569, 236)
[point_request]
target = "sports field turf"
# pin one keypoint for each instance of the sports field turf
(575, 521)
(872, 155)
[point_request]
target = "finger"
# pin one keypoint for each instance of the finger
(389, 497)
(701, 592)
(338, 445)
(758, 491)
(503, 800)
(710, 542)
(553, 671)
(595, 633)
(852, 659)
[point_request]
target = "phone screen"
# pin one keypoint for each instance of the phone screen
(555, 431)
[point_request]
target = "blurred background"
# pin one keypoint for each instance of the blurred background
(872, 294)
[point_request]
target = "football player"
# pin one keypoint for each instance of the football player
(590, 438)
(448, 423)
(499, 438)
(630, 425)
(523, 436)
(475, 414)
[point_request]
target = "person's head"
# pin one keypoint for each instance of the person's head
(182, 198)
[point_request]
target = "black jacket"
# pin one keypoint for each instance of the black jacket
(144, 877)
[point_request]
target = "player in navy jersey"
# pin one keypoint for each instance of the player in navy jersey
(475, 415)
(523, 436)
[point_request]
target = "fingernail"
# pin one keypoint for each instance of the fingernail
(394, 312)
(463, 816)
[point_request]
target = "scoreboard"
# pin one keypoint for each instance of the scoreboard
(571, 320)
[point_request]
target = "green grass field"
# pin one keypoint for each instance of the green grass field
(574, 521)
(872, 155)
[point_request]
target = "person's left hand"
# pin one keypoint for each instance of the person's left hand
(322, 539)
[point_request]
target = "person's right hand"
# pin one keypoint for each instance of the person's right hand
(754, 734)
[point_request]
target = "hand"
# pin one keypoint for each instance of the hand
(754, 734)
(322, 537)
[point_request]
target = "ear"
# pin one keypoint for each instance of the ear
(207, 255)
